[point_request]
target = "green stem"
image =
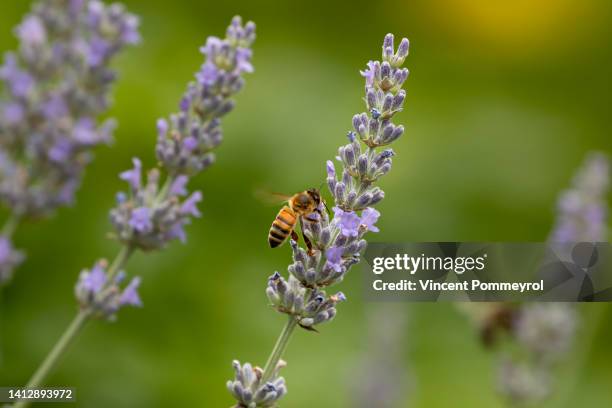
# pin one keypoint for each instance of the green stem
(58, 350)
(11, 224)
(279, 349)
(73, 330)
(120, 260)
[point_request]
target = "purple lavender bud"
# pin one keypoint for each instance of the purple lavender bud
(388, 102)
(375, 115)
(400, 76)
(382, 157)
(339, 191)
(371, 99)
(325, 236)
(374, 126)
(388, 42)
(359, 126)
(331, 170)
(377, 196)
(385, 70)
(351, 136)
(346, 154)
(362, 164)
(384, 169)
(350, 198)
(346, 177)
(398, 101)
(402, 51)
(364, 200)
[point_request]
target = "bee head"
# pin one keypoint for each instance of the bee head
(315, 195)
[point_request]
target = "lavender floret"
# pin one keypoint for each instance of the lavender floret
(101, 294)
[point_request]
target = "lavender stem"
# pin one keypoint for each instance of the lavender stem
(279, 349)
(54, 355)
(10, 225)
(73, 329)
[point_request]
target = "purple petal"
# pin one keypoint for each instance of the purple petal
(140, 220)
(133, 176)
(189, 205)
(94, 280)
(178, 185)
(369, 216)
(130, 293)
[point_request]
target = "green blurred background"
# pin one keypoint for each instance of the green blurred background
(504, 99)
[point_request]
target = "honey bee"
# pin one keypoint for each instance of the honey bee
(298, 206)
(497, 323)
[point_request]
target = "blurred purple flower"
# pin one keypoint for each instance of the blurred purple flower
(130, 293)
(133, 176)
(141, 220)
(32, 31)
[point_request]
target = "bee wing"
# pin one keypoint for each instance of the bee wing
(271, 198)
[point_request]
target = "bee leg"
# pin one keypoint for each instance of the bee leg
(306, 240)
(295, 236)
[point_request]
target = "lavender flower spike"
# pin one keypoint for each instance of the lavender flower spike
(582, 209)
(545, 332)
(339, 241)
(541, 334)
(55, 88)
(151, 214)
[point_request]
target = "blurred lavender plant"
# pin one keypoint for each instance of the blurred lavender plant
(542, 333)
(381, 379)
(151, 214)
(56, 86)
(337, 242)
(582, 209)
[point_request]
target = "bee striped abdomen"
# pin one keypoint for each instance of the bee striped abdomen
(282, 226)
